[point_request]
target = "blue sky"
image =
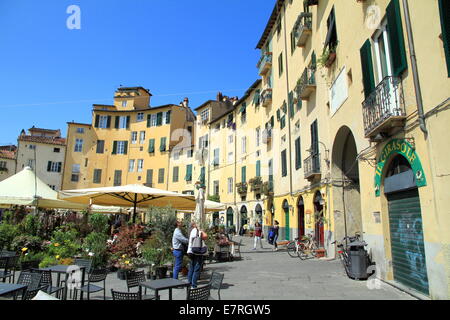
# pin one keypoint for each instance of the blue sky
(50, 75)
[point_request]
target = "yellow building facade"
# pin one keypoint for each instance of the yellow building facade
(130, 142)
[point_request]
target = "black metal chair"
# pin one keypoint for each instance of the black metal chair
(47, 280)
(116, 295)
(31, 279)
(133, 278)
(200, 293)
(216, 282)
(94, 277)
(28, 265)
(30, 294)
(8, 264)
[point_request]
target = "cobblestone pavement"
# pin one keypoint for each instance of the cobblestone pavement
(267, 275)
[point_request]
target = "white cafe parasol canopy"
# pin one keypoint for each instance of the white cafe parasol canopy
(26, 189)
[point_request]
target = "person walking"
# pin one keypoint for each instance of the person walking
(196, 244)
(275, 229)
(258, 235)
(178, 243)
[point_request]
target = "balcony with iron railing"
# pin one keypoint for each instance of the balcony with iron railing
(267, 188)
(265, 63)
(303, 28)
(311, 167)
(266, 97)
(306, 84)
(384, 108)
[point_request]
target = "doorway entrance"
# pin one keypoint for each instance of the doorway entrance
(319, 220)
(301, 217)
(287, 230)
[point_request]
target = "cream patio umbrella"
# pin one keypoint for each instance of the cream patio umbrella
(26, 189)
(132, 195)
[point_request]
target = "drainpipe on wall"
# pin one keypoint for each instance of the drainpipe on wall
(415, 73)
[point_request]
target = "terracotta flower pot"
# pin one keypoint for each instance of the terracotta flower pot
(331, 59)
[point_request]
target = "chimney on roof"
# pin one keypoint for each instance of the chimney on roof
(219, 96)
(186, 102)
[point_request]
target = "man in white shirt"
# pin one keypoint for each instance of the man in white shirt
(178, 240)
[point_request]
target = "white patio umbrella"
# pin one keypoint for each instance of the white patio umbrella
(26, 189)
(132, 195)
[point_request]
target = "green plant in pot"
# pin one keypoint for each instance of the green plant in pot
(156, 253)
(328, 56)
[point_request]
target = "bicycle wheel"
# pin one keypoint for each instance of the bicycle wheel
(302, 251)
(291, 249)
(313, 249)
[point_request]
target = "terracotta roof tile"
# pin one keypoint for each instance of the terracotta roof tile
(37, 139)
(6, 154)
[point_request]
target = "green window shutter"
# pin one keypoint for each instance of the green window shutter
(149, 117)
(299, 104)
(256, 97)
(283, 164)
(162, 146)
(116, 123)
(149, 179)
(367, 68)
(128, 122)
(161, 175)
(188, 172)
(97, 119)
(298, 155)
(114, 151)
(444, 8)
(175, 174)
(108, 122)
(291, 104)
(125, 149)
(272, 121)
(282, 122)
(49, 166)
(159, 116)
(168, 117)
(244, 174)
(243, 108)
(278, 114)
(151, 146)
(284, 107)
(59, 166)
(258, 168)
(397, 41)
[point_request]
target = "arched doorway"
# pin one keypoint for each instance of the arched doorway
(258, 212)
(230, 217)
(346, 186)
(318, 221)
(216, 218)
(405, 225)
(301, 217)
(287, 229)
(244, 218)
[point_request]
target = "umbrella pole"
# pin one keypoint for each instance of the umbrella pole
(134, 211)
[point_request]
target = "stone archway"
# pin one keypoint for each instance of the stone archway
(258, 213)
(346, 185)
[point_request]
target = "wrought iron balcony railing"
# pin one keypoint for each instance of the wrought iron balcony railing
(266, 97)
(303, 28)
(306, 84)
(311, 166)
(267, 188)
(265, 63)
(384, 108)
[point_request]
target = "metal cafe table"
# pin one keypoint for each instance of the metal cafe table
(11, 288)
(67, 270)
(163, 284)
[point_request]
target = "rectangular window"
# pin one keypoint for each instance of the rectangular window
(159, 118)
(78, 145)
(74, 177)
(230, 157)
(140, 117)
(216, 189)
(293, 42)
(131, 165)
(151, 146)
(161, 175)
(124, 103)
(283, 122)
(258, 168)
(56, 150)
(123, 122)
(142, 137)
(100, 146)
(75, 168)
(331, 40)
(54, 166)
(298, 154)
(102, 122)
(175, 174)
(204, 115)
(244, 174)
(188, 172)
(140, 165)
(117, 178)
(149, 181)
(230, 139)
(134, 137)
(230, 185)
(216, 157)
(258, 136)
(283, 164)
(120, 147)
(280, 64)
(162, 146)
(80, 130)
(97, 176)
(244, 145)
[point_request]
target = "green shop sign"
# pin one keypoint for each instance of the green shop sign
(402, 147)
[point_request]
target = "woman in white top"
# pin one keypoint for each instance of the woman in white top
(196, 259)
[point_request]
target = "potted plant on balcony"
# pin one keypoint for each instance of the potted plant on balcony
(267, 188)
(242, 187)
(328, 56)
(214, 197)
(256, 184)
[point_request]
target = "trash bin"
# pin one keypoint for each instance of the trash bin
(357, 256)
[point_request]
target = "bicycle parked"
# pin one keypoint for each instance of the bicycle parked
(303, 248)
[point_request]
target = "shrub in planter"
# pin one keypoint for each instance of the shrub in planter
(30, 225)
(99, 223)
(156, 252)
(95, 248)
(127, 240)
(7, 234)
(31, 243)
